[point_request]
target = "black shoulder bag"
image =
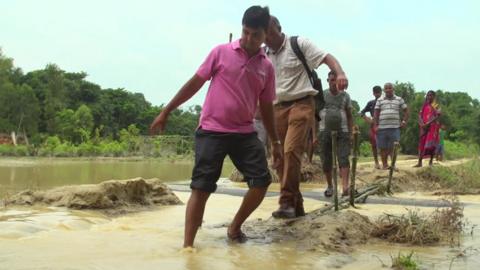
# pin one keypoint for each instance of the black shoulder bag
(312, 75)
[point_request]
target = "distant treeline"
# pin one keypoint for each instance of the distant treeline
(51, 102)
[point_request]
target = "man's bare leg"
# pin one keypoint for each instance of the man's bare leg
(328, 176)
(375, 156)
(420, 160)
(251, 201)
(194, 215)
(384, 156)
(431, 160)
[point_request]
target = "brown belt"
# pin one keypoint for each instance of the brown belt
(291, 102)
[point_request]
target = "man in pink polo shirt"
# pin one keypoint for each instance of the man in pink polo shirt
(241, 77)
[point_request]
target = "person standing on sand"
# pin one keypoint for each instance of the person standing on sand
(387, 120)
(429, 127)
(241, 76)
(441, 144)
(336, 116)
(370, 108)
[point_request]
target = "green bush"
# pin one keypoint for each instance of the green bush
(170, 145)
(65, 150)
(49, 145)
(113, 149)
(456, 150)
(7, 150)
(88, 149)
(463, 178)
(365, 149)
(21, 150)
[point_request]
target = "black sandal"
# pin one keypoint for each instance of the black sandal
(328, 192)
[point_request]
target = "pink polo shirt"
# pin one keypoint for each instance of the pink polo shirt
(237, 83)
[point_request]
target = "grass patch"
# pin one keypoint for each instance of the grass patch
(456, 150)
(443, 225)
(404, 262)
(460, 179)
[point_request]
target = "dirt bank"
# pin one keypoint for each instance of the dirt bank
(405, 178)
(324, 232)
(112, 197)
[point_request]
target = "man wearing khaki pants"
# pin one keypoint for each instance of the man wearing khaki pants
(294, 109)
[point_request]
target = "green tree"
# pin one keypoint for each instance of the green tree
(117, 109)
(8, 72)
(405, 91)
(65, 124)
(74, 126)
(83, 124)
(19, 108)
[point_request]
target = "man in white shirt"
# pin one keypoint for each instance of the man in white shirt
(294, 109)
(388, 121)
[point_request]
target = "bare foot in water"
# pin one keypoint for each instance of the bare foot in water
(188, 250)
(236, 236)
(239, 237)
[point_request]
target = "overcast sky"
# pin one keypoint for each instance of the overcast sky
(153, 47)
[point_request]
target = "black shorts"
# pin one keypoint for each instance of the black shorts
(245, 150)
(343, 150)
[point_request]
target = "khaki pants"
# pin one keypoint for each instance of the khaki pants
(294, 120)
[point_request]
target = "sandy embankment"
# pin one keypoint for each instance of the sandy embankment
(111, 197)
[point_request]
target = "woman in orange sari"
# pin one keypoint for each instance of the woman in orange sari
(429, 128)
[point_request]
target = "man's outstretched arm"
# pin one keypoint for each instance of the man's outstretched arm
(333, 64)
(185, 93)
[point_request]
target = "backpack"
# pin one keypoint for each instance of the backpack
(312, 75)
(333, 112)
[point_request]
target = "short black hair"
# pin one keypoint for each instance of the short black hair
(433, 92)
(256, 17)
(276, 22)
(377, 89)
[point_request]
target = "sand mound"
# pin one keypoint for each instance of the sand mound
(237, 176)
(310, 172)
(333, 231)
(118, 195)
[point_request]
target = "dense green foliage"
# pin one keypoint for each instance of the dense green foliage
(52, 103)
(64, 114)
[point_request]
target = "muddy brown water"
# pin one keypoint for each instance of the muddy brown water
(59, 238)
(17, 174)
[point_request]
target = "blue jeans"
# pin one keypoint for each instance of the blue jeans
(386, 137)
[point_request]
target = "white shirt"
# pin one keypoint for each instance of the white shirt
(292, 80)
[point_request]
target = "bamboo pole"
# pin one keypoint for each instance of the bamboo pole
(392, 167)
(343, 203)
(334, 169)
(354, 166)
